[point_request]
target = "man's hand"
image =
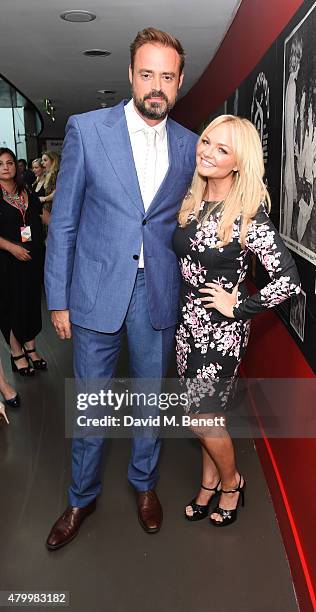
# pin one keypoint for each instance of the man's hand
(61, 322)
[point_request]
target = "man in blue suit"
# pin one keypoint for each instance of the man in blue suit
(110, 267)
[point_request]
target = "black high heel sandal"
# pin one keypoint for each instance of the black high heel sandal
(229, 516)
(28, 371)
(201, 511)
(38, 364)
(14, 402)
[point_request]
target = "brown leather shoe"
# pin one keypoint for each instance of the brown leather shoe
(68, 525)
(149, 511)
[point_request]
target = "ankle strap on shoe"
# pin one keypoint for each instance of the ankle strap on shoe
(234, 490)
(210, 488)
(18, 357)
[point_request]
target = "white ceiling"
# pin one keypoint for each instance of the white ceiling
(42, 55)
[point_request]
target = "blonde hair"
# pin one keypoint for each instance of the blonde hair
(51, 175)
(37, 161)
(247, 190)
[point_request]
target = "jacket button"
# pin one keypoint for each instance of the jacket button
(136, 257)
(144, 222)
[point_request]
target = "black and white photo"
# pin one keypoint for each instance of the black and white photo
(297, 314)
(298, 179)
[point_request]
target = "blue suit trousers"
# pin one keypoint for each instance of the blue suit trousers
(95, 356)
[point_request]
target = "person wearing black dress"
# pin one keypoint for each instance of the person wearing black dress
(26, 174)
(223, 217)
(39, 172)
(21, 257)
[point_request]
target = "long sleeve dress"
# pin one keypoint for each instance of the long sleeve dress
(209, 346)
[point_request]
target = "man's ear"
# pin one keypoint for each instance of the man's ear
(180, 79)
(130, 74)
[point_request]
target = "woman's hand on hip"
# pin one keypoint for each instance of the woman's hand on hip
(217, 297)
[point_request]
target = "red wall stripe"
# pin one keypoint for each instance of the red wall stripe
(289, 463)
(290, 516)
(280, 356)
(256, 26)
(292, 460)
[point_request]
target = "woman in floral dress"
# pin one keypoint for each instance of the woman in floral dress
(223, 218)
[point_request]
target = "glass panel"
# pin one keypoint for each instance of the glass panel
(5, 94)
(20, 123)
(19, 128)
(7, 129)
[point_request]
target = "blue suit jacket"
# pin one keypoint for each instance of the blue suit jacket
(98, 224)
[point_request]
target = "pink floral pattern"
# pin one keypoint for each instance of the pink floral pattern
(210, 346)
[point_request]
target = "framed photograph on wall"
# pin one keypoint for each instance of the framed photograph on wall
(297, 314)
(298, 159)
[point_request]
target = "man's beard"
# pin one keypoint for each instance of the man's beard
(156, 109)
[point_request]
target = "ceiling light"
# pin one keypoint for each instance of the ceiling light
(96, 53)
(78, 16)
(49, 108)
(106, 91)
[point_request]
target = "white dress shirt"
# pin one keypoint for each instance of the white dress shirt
(150, 152)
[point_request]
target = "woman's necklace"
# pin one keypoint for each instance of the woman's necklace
(210, 204)
(15, 199)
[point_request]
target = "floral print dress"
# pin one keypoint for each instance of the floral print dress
(209, 345)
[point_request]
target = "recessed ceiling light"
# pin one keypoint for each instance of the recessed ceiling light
(97, 53)
(106, 91)
(78, 16)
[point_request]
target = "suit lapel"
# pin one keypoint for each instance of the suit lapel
(115, 140)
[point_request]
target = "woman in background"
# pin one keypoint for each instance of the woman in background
(39, 172)
(222, 219)
(50, 161)
(21, 256)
